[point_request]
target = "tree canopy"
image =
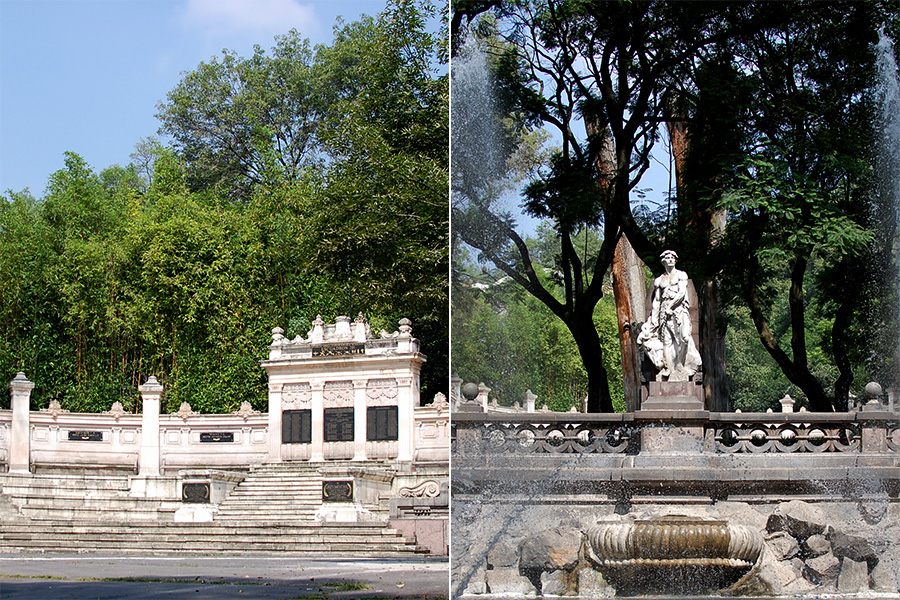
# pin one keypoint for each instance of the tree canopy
(298, 182)
(768, 111)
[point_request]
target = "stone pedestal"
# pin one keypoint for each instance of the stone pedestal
(674, 395)
(676, 405)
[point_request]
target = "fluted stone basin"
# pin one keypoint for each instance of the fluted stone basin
(675, 554)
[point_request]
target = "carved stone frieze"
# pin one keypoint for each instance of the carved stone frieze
(338, 393)
(426, 489)
(296, 396)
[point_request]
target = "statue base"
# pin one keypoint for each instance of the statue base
(670, 412)
(674, 396)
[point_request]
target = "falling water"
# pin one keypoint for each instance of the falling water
(889, 121)
(477, 158)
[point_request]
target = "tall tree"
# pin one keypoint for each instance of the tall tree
(604, 68)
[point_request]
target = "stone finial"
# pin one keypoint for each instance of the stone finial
(152, 387)
(317, 333)
(245, 411)
(787, 404)
(482, 398)
(185, 411)
(440, 402)
(20, 383)
(470, 391)
(405, 327)
(873, 391)
(530, 398)
(117, 410)
(360, 329)
(54, 409)
(277, 335)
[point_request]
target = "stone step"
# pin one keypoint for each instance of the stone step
(271, 538)
(207, 548)
(260, 528)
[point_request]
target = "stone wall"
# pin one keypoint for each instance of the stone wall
(822, 490)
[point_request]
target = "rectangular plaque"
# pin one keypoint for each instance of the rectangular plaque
(339, 424)
(296, 426)
(337, 491)
(85, 436)
(382, 423)
(216, 436)
(339, 349)
(195, 493)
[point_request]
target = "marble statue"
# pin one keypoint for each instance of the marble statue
(666, 336)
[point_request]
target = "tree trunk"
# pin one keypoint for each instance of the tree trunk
(629, 289)
(588, 341)
(796, 369)
(704, 228)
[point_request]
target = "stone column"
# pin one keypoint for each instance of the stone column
(151, 392)
(360, 415)
(20, 434)
(455, 393)
(275, 416)
(317, 418)
(405, 420)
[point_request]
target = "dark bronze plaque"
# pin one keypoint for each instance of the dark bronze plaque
(339, 424)
(217, 436)
(85, 436)
(296, 426)
(195, 493)
(337, 491)
(339, 349)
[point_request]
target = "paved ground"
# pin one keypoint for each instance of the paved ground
(69, 577)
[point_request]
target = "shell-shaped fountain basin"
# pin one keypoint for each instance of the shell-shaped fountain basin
(674, 554)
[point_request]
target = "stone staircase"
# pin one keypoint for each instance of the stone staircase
(271, 511)
(274, 492)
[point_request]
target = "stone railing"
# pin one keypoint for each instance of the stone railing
(722, 433)
(153, 444)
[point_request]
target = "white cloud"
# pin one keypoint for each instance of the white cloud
(218, 18)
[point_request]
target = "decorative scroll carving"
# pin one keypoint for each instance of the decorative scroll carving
(117, 410)
(338, 393)
(426, 489)
(296, 396)
(184, 411)
(245, 411)
(559, 438)
(54, 409)
(893, 439)
(440, 402)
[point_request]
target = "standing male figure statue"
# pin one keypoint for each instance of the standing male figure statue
(666, 336)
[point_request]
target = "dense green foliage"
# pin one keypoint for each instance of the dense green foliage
(303, 182)
(508, 340)
(777, 215)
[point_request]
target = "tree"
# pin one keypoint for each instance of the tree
(605, 67)
(237, 121)
(801, 192)
(619, 70)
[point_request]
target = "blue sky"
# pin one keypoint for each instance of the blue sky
(86, 75)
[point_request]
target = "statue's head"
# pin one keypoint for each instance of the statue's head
(668, 256)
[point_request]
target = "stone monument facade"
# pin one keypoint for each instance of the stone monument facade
(343, 393)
